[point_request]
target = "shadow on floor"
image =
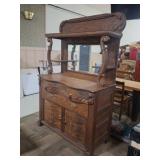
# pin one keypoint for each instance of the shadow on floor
(26, 143)
(41, 141)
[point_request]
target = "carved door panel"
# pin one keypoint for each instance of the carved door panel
(75, 126)
(52, 114)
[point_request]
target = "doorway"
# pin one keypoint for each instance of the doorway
(84, 57)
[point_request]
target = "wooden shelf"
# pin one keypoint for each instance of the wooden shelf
(64, 61)
(84, 34)
(108, 68)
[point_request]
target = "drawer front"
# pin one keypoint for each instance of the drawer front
(71, 99)
(52, 114)
(75, 127)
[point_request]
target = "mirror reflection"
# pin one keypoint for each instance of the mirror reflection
(85, 58)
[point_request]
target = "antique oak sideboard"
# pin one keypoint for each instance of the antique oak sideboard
(78, 105)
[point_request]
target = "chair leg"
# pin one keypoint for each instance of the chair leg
(120, 114)
(129, 108)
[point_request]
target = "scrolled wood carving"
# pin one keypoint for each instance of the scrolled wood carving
(50, 69)
(82, 100)
(72, 56)
(105, 56)
(52, 90)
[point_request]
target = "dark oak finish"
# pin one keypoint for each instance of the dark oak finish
(50, 70)
(121, 99)
(134, 87)
(78, 105)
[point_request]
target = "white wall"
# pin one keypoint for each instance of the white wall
(131, 32)
(87, 9)
(54, 16)
(29, 105)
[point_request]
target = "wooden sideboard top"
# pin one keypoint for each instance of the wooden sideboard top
(74, 82)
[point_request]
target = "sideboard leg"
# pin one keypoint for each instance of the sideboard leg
(40, 123)
(91, 152)
(106, 141)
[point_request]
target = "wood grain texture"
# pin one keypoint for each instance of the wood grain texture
(64, 55)
(130, 85)
(104, 22)
(50, 69)
(60, 95)
(52, 114)
(83, 102)
(76, 83)
(75, 126)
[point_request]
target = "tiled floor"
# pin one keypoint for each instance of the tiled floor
(41, 141)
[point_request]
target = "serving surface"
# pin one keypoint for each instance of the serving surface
(73, 82)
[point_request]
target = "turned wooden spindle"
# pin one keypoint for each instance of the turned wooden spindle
(50, 69)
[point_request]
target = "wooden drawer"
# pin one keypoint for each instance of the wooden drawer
(52, 114)
(71, 99)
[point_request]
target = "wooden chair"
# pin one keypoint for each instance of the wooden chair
(121, 100)
(126, 69)
(125, 74)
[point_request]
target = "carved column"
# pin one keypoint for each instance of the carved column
(72, 57)
(113, 49)
(109, 50)
(50, 69)
(64, 55)
(105, 56)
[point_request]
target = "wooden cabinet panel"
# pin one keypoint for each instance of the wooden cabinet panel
(103, 114)
(75, 126)
(52, 114)
(82, 117)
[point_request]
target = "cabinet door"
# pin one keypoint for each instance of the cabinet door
(75, 126)
(52, 114)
